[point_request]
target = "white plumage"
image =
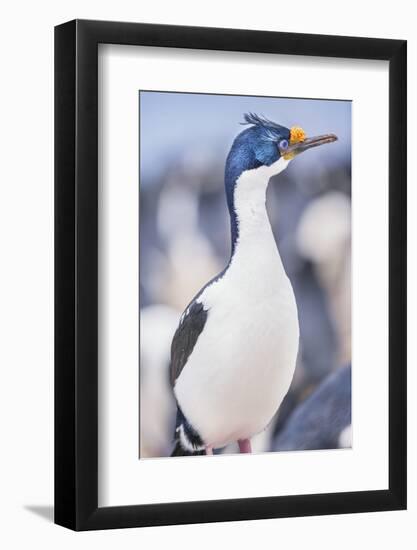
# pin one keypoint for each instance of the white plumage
(242, 365)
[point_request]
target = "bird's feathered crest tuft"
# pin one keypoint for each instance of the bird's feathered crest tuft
(271, 129)
(259, 120)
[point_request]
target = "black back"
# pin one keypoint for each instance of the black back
(185, 338)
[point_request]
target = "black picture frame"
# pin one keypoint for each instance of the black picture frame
(76, 272)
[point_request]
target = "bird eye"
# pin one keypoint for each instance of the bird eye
(283, 144)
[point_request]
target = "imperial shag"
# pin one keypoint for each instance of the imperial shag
(233, 354)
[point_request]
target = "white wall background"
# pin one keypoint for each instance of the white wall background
(26, 289)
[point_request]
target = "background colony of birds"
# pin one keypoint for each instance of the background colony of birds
(185, 242)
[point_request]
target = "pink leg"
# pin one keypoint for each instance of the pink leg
(245, 446)
(209, 450)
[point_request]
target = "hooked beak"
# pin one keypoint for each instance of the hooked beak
(297, 148)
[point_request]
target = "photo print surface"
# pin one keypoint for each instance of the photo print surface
(245, 275)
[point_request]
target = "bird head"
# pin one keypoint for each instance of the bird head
(265, 142)
(265, 147)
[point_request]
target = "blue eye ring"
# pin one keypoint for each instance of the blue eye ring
(283, 144)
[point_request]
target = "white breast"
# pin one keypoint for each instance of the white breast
(244, 360)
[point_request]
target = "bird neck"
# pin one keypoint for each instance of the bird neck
(249, 218)
(255, 265)
(246, 199)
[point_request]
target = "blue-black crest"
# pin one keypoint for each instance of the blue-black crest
(271, 131)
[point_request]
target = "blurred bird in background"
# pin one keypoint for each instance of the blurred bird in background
(323, 420)
(183, 223)
(157, 325)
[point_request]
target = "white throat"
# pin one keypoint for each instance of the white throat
(250, 200)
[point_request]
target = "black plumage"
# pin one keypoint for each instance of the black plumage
(185, 338)
(190, 434)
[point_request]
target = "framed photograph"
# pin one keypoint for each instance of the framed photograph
(230, 253)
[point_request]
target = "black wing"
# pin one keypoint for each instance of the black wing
(185, 338)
